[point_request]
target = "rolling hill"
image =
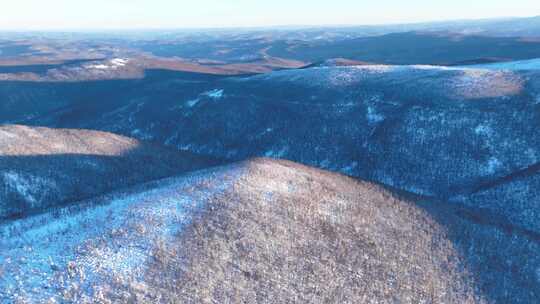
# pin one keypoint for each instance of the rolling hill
(266, 231)
(415, 47)
(42, 168)
(62, 57)
(380, 123)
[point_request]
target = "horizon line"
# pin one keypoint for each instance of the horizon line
(252, 27)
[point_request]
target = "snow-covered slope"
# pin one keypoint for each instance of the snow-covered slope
(430, 130)
(257, 229)
(67, 252)
(41, 167)
(521, 65)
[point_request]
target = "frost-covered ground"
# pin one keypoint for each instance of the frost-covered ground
(77, 253)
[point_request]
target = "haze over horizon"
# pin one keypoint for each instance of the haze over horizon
(160, 14)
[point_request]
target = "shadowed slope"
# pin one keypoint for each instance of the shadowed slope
(41, 167)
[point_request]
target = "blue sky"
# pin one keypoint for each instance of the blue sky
(114, 14)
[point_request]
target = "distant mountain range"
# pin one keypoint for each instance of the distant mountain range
(86, 56)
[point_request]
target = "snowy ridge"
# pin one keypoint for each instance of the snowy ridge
(110, 64)
(73, 250)
(520, 65)
(461, 82)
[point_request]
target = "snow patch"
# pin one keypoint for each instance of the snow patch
(6, 134)
(472, 76)
(350, 169)
(265, 132)
(492, 165)
(531, 155)
(30, 188)
(277, 154)
(192, 103)
(372, 116)
(22, 185)
(325, 164)
(533, 64)
(111, 64)
(214, 94)
(432, 67)
(483, 130)
(140, 134)
(376, 68)
(99, 67)
(119, 62)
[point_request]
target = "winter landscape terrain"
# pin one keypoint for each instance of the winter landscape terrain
(376, 164)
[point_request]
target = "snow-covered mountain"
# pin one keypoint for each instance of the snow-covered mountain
(408, 171)
(255, 230)
(435, 131)
(462, 139)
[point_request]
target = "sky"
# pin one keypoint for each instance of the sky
(155, 14)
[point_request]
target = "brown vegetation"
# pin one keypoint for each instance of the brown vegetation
(286, 233)
(272, 231)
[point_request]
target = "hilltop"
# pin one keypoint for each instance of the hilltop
(265, 230)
